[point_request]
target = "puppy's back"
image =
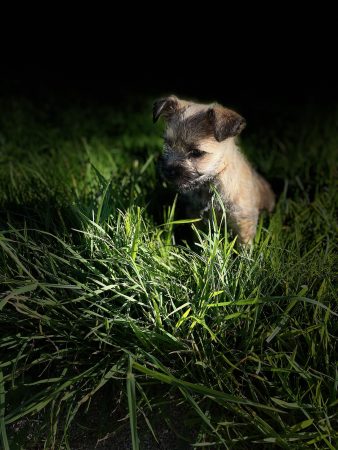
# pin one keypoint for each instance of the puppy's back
(267, 197)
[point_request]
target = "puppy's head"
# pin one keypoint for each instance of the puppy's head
(194, 140)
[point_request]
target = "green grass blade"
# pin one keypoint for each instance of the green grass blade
(132, 406)
(2, 413)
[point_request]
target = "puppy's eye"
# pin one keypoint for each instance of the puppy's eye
(195, 153)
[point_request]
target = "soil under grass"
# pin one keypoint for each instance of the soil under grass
(119, 326)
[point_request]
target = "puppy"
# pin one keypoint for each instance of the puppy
(200, 151)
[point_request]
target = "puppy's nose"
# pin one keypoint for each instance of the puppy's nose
(171, 172)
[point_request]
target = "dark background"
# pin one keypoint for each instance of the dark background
(296, 78)
(288, 60)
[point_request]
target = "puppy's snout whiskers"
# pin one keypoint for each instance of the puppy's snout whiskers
(171, 172)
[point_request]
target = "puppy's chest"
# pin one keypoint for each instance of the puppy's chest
(197, 202)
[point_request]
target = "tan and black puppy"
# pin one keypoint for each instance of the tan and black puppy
(200, 150)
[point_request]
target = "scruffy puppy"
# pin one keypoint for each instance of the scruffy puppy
(200, 150)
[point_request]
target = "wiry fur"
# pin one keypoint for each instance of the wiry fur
(193, 127)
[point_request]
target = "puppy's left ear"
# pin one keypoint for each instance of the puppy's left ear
(165, 107)
(226, 123)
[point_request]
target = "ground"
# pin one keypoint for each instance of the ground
(111, 316)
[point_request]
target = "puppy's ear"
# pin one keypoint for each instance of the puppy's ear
(226, 123)
(165, 107)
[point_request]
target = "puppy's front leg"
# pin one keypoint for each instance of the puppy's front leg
(245, 225)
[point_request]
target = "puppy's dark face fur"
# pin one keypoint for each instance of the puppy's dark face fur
(194, 140)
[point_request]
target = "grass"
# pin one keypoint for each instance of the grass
(104, 312)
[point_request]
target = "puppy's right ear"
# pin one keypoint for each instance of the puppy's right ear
(165, 107)
(226, 123)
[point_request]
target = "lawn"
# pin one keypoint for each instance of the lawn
(115, 327)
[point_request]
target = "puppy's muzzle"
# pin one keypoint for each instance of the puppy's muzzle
(171, 173)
